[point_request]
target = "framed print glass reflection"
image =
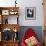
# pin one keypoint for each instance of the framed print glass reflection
(30, 13)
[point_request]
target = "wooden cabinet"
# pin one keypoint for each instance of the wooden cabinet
(10, 43)
(9, 23)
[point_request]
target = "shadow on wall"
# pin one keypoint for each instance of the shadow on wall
(37, 29)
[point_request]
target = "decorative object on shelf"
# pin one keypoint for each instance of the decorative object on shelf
(30, 13)
(5, 12)
(13, 12)
(15, 29)
(7, 34)
(9, 10)
(15, 34)
(15, 3)
(15, 37)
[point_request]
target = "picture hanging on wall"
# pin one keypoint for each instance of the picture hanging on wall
(30, 13)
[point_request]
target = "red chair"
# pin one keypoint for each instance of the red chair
(29, 33)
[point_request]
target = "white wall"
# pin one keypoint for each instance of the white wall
(39, 12)
(7, 3)
(27, 3)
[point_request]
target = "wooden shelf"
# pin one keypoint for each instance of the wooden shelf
(9, 7)
(11, 26)
(4, 13)
(9, 43)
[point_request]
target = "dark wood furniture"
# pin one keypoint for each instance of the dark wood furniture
(10, 43)
(4, 13)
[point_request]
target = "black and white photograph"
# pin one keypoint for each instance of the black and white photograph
(30, 13)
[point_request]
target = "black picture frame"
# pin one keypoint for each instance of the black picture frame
(30, 13)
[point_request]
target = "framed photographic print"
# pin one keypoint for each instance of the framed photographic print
(30, 13)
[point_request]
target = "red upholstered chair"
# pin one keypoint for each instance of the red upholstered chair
(29, 33)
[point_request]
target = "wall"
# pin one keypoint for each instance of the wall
(39, 13)
(7, 3)
(25, 3)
